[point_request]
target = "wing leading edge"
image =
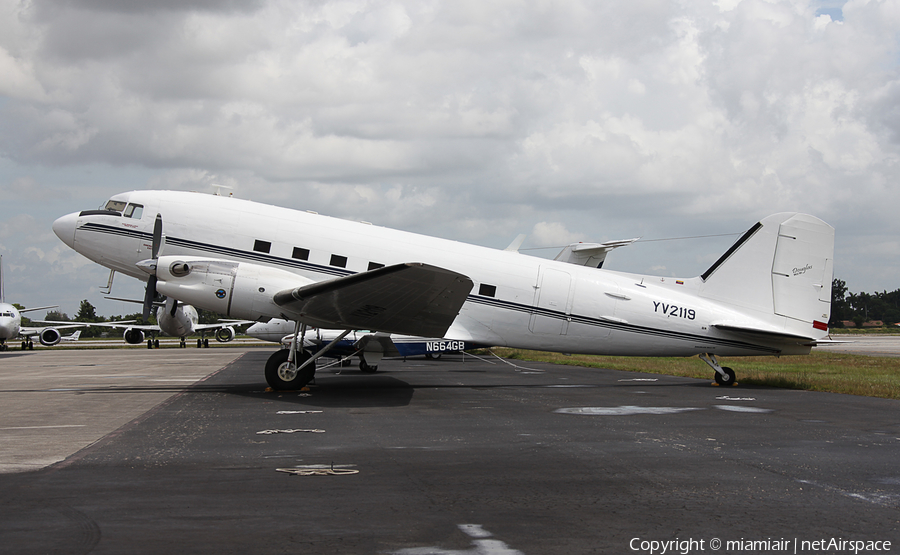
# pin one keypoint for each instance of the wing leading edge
(409, 299)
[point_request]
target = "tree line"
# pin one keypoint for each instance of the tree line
(862, 307)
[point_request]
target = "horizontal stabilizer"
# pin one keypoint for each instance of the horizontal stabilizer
(409, 299)
(752, 330)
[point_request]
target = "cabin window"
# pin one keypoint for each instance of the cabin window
(375, 266)
(262, 246)
(300, 254)
(338, 261)
(134, 211)
(487, 290)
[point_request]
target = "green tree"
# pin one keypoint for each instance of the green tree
(840, 308)
(57, 316)
(87, 313)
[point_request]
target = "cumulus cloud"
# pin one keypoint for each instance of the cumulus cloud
(491, 118)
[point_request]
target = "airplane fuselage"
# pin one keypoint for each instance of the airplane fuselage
(517, 301)
(10, 322)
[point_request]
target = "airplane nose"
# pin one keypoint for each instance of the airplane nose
(64, 228)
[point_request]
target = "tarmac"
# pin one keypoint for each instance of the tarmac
(150, 451)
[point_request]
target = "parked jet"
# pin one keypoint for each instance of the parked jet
(11, 324)
(179, 320)
(769, 294)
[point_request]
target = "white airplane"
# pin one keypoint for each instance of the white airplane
(74, 337)
(177, 320)
(370, 346)
(769, 294)
(11, 324)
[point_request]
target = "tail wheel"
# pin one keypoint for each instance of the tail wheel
(727, 379)
(280, 374)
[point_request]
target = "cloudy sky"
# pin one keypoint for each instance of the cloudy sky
(474, 120)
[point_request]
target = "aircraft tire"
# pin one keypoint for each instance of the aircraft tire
(24, 346)
(364, 366)
(278, 376)
(728, 379)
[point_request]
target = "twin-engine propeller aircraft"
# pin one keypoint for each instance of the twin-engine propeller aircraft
(11, 324)
(179, 320)
(769, 294)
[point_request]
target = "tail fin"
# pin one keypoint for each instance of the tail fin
(779, 273)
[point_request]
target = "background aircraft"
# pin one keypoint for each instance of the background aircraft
(370, 346)
(179, 320)
(769, 294)
(11, 324)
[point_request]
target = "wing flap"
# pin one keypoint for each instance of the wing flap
(409, 299)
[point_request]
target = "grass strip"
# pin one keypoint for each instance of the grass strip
(819, 371)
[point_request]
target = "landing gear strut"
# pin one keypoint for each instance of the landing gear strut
(724, 375)
(294, 368)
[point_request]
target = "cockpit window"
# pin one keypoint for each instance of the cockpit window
(133, 211)
(115, 206)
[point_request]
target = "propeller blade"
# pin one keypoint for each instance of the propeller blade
(149, 296)
(157, 237)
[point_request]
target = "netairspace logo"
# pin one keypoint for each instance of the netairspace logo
(781, 545)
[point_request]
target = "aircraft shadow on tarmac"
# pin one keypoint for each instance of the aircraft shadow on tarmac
(365, 391)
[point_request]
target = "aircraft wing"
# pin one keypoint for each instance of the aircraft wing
(38, 308)
(30, 331)
(126, 325)
(409, 299)
(222, 324)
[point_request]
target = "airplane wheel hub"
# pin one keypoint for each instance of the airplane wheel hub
(287, 371)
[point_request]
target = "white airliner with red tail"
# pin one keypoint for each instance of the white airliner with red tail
(769, 294)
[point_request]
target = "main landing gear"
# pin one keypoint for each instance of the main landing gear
(724, 375)
(293, 368)
(284, 374)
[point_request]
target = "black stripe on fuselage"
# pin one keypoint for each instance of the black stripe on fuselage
(474, 299)
(699, 340)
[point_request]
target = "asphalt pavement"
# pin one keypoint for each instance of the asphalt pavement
(440, 457)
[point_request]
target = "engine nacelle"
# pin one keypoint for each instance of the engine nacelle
(224, 335)
(236, 289)
(50, 337)
(133, 336)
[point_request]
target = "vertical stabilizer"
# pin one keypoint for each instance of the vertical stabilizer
(779, 272)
